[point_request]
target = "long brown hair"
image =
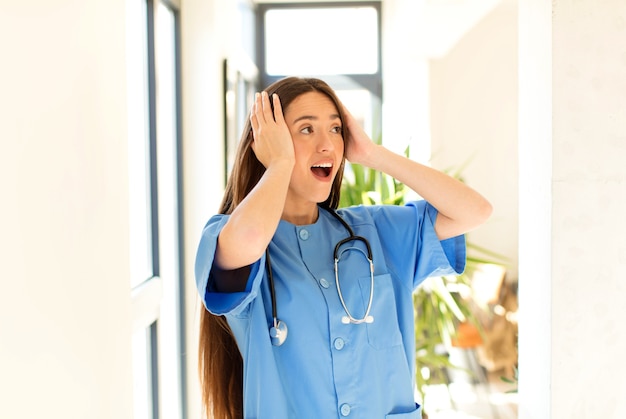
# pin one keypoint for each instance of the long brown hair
(220, 362)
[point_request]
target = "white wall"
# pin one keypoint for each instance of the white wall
(453, 98)
(473, 107)
(202, 151)
(573, 201)
(535, 198)
(64, 270)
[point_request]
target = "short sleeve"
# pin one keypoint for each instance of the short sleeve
(446, 257)
(218, 303)
(412, 249)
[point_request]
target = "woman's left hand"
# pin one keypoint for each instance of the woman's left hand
(359, 147)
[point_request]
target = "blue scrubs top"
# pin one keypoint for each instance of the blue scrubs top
(325, 368)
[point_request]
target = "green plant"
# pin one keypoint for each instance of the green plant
(438, 305)
(366, 186)
(513, 380)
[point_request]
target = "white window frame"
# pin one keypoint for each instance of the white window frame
(157, 291)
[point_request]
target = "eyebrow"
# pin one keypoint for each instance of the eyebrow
(314, 118)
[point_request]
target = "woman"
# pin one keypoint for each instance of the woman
(278, 254)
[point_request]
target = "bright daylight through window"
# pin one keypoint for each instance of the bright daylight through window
(324, 41)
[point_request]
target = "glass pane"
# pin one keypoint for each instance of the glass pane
(319, 41)
(142, 393)
(138, 143)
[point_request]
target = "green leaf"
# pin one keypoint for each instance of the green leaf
(485, 251)
(441, 291)
(373, 197)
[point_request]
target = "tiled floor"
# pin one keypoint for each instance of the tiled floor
(466, 399)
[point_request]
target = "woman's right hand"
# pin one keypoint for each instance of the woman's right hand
(255, 219)
(271, 138)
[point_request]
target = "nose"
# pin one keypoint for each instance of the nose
(325, 142)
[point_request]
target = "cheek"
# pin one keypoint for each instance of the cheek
(340, 147)
(299, 149)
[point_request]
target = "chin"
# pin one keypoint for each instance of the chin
(322, 197)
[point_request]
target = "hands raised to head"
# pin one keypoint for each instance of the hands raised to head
(359, 146)
(271, 137)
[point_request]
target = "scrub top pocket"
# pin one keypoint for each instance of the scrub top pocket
(384, 332)
(416, 414)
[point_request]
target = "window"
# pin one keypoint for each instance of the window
(338, 42)
(155, 209)
(352, 50)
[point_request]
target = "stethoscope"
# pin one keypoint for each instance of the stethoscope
(278, 330)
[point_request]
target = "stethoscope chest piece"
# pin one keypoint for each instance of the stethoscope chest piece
(366, 319)
(278, 332)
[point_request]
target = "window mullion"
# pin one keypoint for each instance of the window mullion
(152, 132)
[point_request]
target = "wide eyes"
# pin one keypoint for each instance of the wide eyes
(309, 130)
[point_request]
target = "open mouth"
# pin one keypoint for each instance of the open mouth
(322, 170)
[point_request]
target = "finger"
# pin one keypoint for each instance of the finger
(254, 122)
(267, 109)
(257, 108)
(278, 109)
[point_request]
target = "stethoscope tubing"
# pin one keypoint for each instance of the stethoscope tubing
(278, 329)
(348, 318)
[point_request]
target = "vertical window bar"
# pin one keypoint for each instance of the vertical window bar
(154, 369)
(181, 236)
(260, 44)
(225, 116)
(154, 203)
(153, 140)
